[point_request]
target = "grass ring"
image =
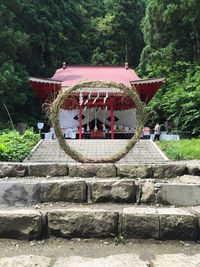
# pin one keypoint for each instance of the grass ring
(53, 113)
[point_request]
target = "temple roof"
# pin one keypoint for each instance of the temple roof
(76, 74)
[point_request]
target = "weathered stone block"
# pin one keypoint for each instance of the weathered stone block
(176, 260)
(193, 170)
(178, 194)
(115, 191)
(91, 170)
(25, 260)
(134, 171)
(196, 212)
(12, 170)
(69, 191)
(48, 170)
(190, 179)
(82, 223)
(12, 193)
(169, 170)
(140, 223)
(34, 191)
(177, 224)
(21, 224)
(127, 260)
(148, 192)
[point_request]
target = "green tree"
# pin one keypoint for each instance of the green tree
(171, 34)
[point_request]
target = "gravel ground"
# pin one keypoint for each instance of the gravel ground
(57, 247)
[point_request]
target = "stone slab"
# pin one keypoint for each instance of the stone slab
(82, 222)
(196, 212)
(33, 191)
(177, 224)
(190, 179)
(179, 194)
(140, 223)
(47, 170)
(168, 170)
(193, 170)
(92, 170)
(176, 260)
(148, 192)
(127, 260)
(21, 224)
(13, 193)
(67, 191)
(122, 190)
(12, 170)
(134, 171)
(25, 261)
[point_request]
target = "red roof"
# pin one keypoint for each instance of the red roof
(76, 74)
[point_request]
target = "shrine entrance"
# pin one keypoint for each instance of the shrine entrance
(98, 113)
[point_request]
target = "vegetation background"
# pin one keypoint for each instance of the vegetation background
(158, 37)
(16, 147)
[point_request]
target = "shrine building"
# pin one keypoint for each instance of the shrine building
(98, 112)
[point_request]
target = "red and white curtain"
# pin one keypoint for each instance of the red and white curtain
(70, 118)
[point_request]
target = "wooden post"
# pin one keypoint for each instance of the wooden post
(80, 121)
(112, 119)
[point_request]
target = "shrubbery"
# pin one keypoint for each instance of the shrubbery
(15, 147)
(181, 150)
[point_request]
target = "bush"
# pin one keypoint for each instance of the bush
(181, 150)
(15, 147)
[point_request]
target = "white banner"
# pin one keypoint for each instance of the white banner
(70, 118)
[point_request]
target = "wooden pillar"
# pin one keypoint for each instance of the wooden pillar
(112, 119)
(80, 121)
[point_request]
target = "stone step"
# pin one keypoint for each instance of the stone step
(101, 221)
(49, 151)
(128, 260)
(158, 171)
(176, 260)
(182, 191)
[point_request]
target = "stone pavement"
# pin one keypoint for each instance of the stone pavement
(122, 260)
(145, 151)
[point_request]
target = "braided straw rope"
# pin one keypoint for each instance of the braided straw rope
(53, 113)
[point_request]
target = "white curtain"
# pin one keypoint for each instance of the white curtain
(70, 118)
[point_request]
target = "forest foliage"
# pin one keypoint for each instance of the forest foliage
(159, 38)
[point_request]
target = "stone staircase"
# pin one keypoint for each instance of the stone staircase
(99, 200)
(145, 151)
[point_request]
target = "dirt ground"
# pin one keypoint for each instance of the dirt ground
(58, 247)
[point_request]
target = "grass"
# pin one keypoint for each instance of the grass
(181, 150)
(15, 147)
